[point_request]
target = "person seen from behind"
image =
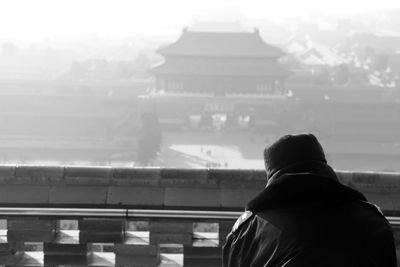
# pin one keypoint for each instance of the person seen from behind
(306, 218)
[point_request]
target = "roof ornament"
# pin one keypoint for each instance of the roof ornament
(257, 31)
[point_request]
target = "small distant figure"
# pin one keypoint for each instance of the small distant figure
(306, 218)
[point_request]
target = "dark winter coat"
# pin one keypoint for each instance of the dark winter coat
(306, 218)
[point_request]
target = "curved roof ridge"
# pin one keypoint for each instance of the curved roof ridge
(221, 44)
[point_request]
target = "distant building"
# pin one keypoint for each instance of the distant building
(213, 80)
(220, 63)
(313, 55)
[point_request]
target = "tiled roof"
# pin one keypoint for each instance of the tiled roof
(205, 67)
(223, 44)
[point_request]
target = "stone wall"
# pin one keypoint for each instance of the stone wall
(32, 240)
(211, 189)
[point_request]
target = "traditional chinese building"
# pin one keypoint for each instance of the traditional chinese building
(219, 78)
(233, 82)
(220, 63)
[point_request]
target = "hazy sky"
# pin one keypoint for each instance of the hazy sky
(36, 19)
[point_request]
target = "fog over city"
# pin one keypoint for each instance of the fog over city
(198, 84)
(35, 20)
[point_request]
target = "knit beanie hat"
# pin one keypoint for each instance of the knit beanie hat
(291, 149)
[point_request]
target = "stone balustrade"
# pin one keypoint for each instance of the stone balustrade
(115, 237)
(212, 189)
(127, 239)
(112, 237)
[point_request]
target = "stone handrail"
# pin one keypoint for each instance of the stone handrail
(110, 237)
(115, 237)
(104, 216)
(213, 189)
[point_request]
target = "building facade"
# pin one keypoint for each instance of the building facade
(217, 79)
(220, 63)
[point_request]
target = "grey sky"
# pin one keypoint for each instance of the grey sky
(46, 18)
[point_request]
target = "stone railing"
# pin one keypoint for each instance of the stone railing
(103, 216)
(112, 237)
(211, 189)
(115, 237)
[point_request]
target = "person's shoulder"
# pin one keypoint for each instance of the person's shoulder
(373, 207)
(242, 220)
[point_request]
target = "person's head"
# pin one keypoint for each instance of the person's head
(290, 150)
